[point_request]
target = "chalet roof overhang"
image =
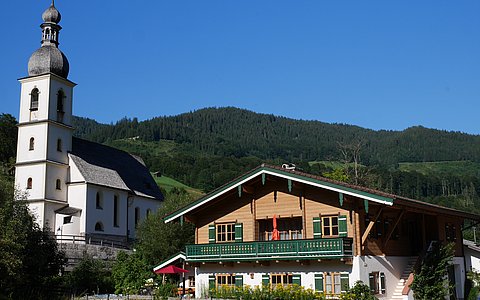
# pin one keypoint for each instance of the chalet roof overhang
(295, 176)
(179, 256)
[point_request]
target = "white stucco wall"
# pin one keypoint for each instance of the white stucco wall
(35, 171)
(472, 259)
(143, 204)
(28, 84)
(25, 133)
(55, 85)
(56, 132)
(105, 215)
(306, 271)
(77, 193)
(54, 172)
(74, 174)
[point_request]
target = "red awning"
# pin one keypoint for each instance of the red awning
(171, 270)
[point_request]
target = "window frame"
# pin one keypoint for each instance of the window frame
(31, 145)
(58, 185)
(227, 236)
(98, 200)
(100, 225)
(333, 283)
(286, 279)
(226, 277)
(330, 226)
(378, 288)
(34, 99)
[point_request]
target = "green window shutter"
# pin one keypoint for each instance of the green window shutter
(342, 226)
(238, 232)
(382, 283)
(344, 282)
(297, 279)
(211, 234)
(371, 279)
(319, 283)
(317, 227)
(265, 279)
(211, 282)
(239, 280)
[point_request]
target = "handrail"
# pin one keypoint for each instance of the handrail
(323, 247)
(90, 240)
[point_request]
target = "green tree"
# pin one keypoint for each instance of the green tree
(430, 282)
(360, 291)
(90, 275)
(30, 260)
(8, 137)
(130, 272)
(158, 240)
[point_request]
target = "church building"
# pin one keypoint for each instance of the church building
(75, 188)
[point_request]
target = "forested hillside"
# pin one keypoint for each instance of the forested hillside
(209, 147)
(240, 133)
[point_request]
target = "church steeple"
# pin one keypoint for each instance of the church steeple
(50, 28)
(48, 58)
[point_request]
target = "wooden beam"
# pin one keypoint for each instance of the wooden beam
(390, 232)
(370, 225)
(248, 189)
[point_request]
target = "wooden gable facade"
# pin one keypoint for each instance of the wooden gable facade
(308, 207)
(321, 225)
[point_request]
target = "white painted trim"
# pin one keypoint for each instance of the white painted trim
(167, 262)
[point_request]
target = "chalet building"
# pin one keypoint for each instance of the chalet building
(75, 188)
(277, 226)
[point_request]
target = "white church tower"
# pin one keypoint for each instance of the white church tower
(45, 125)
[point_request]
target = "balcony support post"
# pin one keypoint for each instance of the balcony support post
(370, 226)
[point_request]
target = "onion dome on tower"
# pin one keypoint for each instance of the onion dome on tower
(48, 58)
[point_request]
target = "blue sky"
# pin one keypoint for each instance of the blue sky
(376, 64)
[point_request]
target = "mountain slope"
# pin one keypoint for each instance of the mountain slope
(242, 133)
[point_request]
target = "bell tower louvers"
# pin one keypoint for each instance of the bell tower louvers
(45, 125)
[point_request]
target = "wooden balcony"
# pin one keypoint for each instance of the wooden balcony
(324, 248)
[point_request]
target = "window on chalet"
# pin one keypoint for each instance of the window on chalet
(332, 283)
(330, 226)
(281, 279)
(450, 232)
(226, 232)
(225, 280)
(289, 229)
(377, 282)
(221, 280)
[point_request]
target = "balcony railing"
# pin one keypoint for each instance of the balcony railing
(325, 248)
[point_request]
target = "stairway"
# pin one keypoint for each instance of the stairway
(397, 294)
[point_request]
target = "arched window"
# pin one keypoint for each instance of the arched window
(34, 99)
(58, 184)
(31, 146)
(149, 212)
(116, 210)
(99, 226)
(99, 201)
(59, 145)
(137, 216)
(60, 97)
(29, 183)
